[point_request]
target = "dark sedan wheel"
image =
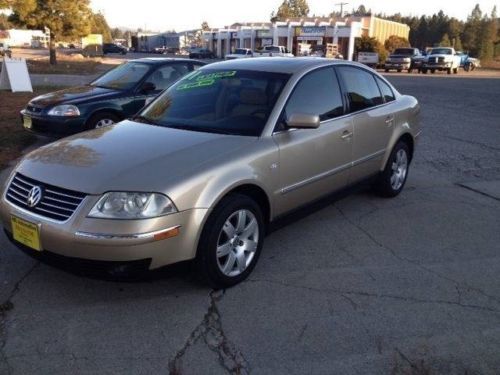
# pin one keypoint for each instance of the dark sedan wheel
(101, 120)
(231, 241)
(392, 180)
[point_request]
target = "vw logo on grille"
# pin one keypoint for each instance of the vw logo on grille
(34, 196)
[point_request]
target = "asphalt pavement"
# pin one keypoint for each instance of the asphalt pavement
(354, 285)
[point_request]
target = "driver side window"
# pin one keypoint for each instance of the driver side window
(317, 93)
(164, 76)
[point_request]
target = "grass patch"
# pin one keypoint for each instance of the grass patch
(86, 66)
(13, 137)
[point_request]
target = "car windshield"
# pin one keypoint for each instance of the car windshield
(240, 51)
(236, 102)
(123, 77)
(403, 51)
(441, 51)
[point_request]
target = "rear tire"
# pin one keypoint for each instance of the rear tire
(455, 70)
(393, 178)
(448, 71)
(399, 70)
(433, 71)
(231, 242)
(387, 70)
(424, 71)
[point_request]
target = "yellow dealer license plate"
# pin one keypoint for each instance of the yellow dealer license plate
(26, 233)
(27, 122)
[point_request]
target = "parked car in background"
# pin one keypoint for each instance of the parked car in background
(468, 63)
(318, 51)
(113, 48)
(404, 59)
(273, 51)
(370, 59)
(5, 50)
(116, 95)
(442, 59)
(201, 53)
(201, 172)
(240, 53)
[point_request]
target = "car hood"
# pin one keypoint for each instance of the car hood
(400, 56)
(72, 95)
(128, 156)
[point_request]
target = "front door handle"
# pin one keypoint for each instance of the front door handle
(346, 134)
(389, 120)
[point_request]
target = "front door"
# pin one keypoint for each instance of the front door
(314, 162)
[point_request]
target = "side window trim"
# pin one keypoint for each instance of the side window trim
(344, 89)
(378, 80)
(282, 113)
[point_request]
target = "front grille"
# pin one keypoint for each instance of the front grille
(56, 203)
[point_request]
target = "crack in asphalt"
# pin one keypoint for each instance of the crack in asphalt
(7, 306)
(457, 283)
(477, 191)
(342, 293)
(212, 333)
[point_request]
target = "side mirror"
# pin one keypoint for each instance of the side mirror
(148, 87)
(302, 121)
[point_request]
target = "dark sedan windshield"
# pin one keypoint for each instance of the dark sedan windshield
(236, 102)
(123, 77)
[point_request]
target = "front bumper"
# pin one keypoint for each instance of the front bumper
(397, 65)
(113, 240)
(53, 126)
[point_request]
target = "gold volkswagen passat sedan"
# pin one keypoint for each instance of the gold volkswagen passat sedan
(202, 171)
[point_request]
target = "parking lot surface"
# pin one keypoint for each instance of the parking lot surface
(355, 284)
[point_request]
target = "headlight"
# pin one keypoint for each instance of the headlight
(64, 110)
(118, 205)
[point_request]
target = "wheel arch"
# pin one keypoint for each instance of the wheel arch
(111, 110)
(404, 136)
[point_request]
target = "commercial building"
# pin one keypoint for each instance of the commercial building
(296, 32)
(147, 42)
(26, 38)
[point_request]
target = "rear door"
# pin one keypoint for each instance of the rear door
(373, 120)
(314, 162)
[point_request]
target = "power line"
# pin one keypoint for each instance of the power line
(341, 8)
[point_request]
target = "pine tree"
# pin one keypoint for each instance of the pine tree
(292, 8)
(445, 41)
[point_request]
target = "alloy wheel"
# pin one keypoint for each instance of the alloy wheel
(237, 242)
(399, 169)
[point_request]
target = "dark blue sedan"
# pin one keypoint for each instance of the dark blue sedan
(116, 95)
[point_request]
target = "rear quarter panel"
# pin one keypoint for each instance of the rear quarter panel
(406, 121)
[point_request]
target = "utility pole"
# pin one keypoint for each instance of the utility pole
(341, 8)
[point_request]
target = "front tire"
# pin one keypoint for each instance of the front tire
(393, 178)
(231, 242)
(101, 120)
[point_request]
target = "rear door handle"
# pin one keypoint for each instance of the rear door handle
(346, 134)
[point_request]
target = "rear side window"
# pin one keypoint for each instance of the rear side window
(361, 88)
(317, 93)
(386, 90)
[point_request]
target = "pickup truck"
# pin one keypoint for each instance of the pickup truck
(4, 50)
(240, 53)
(273, 51)
(404, 59)
(441, 58)
(368, 58)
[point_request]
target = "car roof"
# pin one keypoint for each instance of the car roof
(290, 65)
(163, 60)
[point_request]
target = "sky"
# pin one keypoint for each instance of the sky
(162, 15)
